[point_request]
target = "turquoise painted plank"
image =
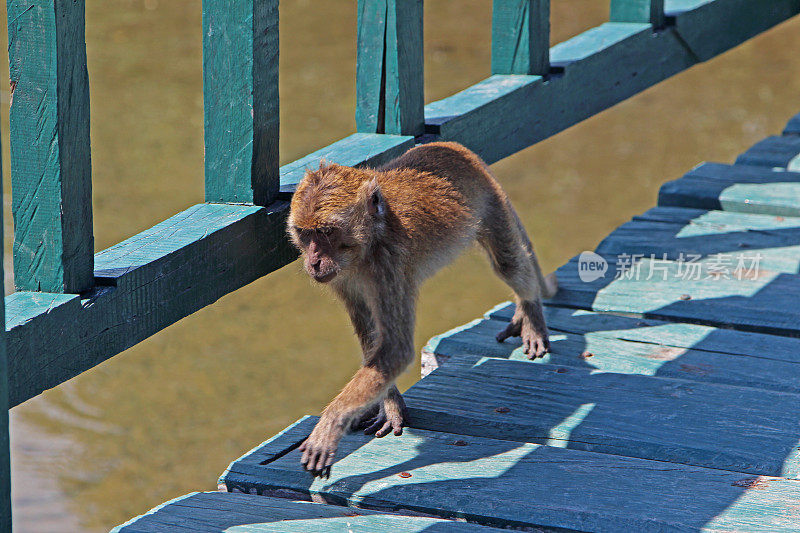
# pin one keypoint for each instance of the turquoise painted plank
(669, 334)
(711, 28)
(504, 114)
(159, 276)
(773, 152)
(702, 353)
(359, 149)
(741, 188)
(50, 157)
(681, 234)
(209, 512)
(709, 293)
(513, 484)
(145, 283)
(5, 448)
(649, 11)
(521, 37)
(602, 67)
(741, 429)
(389, 67)
(240, 100)
(793, 126)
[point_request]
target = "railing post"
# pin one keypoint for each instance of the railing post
(240, 100)
(5, 450)
(50, 156)
(521, 37)
(645, 11)
(389, 78)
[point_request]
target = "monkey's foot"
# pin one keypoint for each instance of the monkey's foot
(531, 327)
(319, 449)
(391, 417)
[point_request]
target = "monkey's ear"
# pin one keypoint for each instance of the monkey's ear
(376, 204)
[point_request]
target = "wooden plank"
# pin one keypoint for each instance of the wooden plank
(647, 348)
(521, 37)
(710, 28)
(773, 152)
(5, 444)
(167, 272)
(740, 429)
(240, 100)
(209, 512)
(681, 234)
(741, 188)
(357, 150)
(793, 126)
(504, 114)
(389, 67)
(145, 283)
(649, 11)
(504, 106)
(50, 156)
(601, 67)
(523, 485)
(762, 301)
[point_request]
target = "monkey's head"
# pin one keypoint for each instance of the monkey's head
(335, 215)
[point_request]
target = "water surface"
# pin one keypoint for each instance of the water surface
(165, 417)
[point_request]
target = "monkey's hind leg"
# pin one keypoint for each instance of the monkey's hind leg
(392, 415)
(513, 259)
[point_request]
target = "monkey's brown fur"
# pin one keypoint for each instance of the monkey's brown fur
(375, 235)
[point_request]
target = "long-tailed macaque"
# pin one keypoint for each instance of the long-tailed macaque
(374, 235)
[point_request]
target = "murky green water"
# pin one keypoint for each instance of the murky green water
(167, 416)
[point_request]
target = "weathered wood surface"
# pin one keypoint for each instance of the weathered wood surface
(650, 11)
(762, 301)
(5, 448)
(145, 283)
(513, 484)
(389, 67)
(495, 117)
(210, 512)
(240, 100)
(625, 345)
(740, 188)
(50, 157)
(521, 37)
(741, 429)
(357, 150)
(601, 67)
(774, 152)
(682, 234)
(792, 126)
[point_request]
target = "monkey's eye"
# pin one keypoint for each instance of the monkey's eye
(325, 231)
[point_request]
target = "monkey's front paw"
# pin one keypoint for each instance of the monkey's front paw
(391, 417)
(319, 450)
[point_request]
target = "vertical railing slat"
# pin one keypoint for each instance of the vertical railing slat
(389, 80)
(521, 37)
(50, 154)
(645, 11)
(5, 445)
(240, 100)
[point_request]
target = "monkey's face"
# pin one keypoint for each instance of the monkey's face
(323, 251)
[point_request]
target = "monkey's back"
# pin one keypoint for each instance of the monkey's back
(437, 191)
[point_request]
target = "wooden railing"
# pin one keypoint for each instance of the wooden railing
(75, 308)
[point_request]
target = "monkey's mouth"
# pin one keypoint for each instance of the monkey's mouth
(324, 277)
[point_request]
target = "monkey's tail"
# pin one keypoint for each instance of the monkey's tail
(549, 285)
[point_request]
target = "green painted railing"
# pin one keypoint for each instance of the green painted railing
(75, 308)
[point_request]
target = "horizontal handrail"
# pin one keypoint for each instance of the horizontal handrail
(188, 261)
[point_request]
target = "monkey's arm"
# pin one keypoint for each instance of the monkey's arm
(392, 354)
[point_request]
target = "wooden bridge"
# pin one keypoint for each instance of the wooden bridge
(670, 401)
